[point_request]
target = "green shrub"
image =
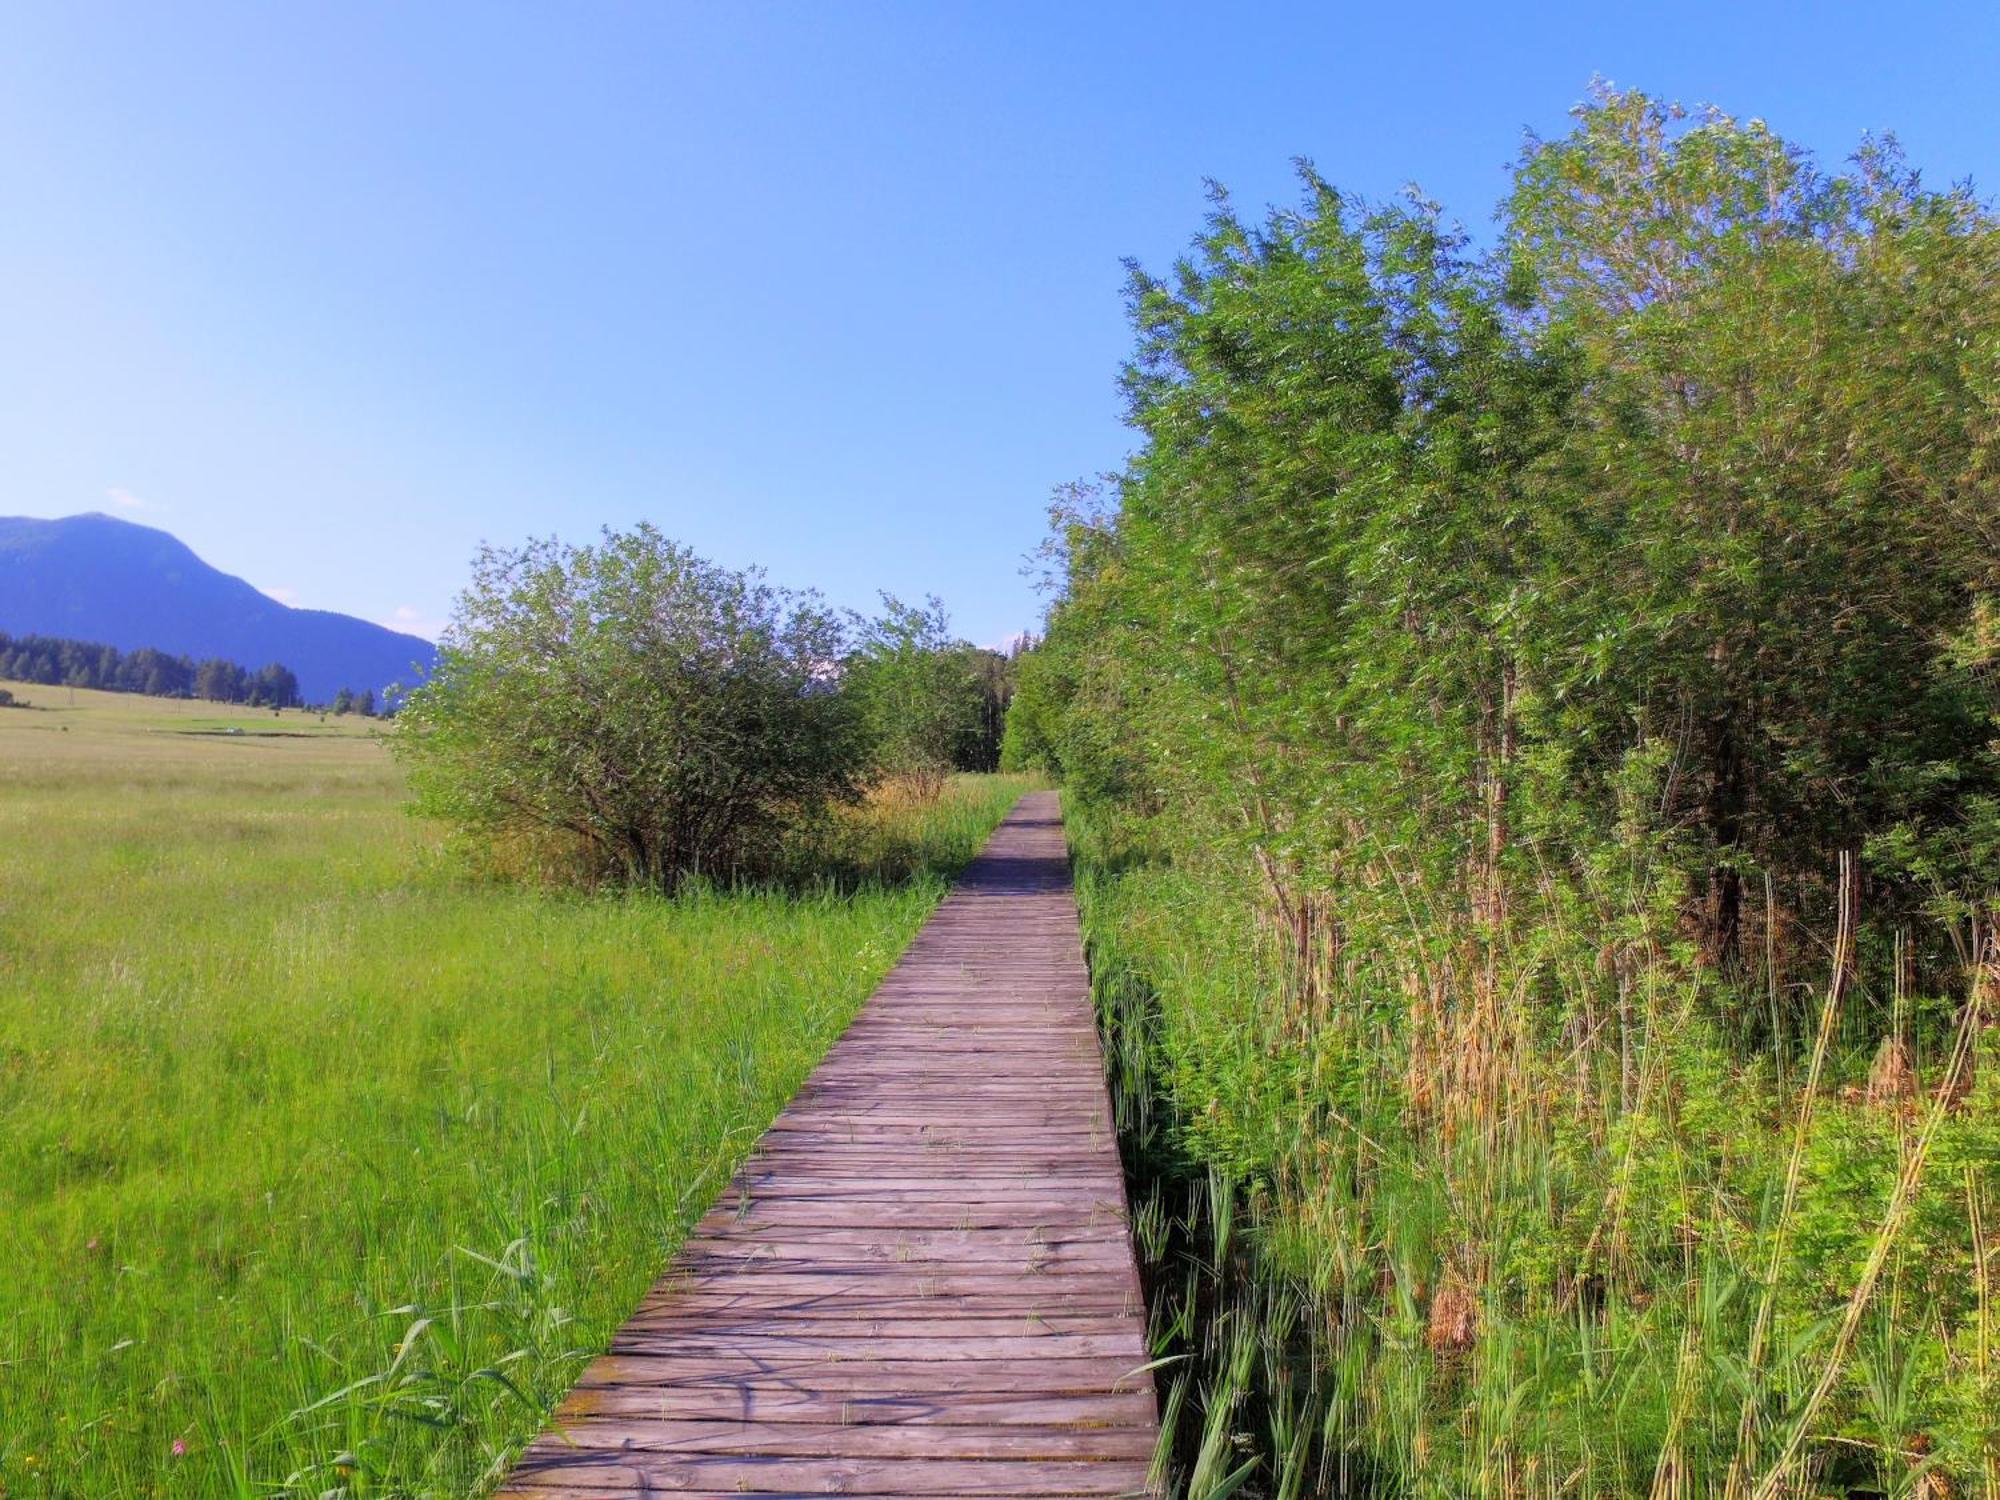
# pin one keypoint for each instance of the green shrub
(629, 711)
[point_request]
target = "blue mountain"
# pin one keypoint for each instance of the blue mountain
(97, 578)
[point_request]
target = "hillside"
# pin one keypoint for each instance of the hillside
(94, 577)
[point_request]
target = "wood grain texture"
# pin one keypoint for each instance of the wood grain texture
(921, 1282)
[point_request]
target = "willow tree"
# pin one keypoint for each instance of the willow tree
(918, 691)
(628, 710)
(1781, 471)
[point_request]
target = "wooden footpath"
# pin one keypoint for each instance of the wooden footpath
(921, 1283)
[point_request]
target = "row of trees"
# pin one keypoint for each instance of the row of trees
(631, 711)
(58, 662)
(930, 703)
(1674, 519)
(1575, 660)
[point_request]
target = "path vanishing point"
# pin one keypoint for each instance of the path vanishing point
(921, 1283)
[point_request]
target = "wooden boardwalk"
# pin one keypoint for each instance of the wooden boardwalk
(921, 1282)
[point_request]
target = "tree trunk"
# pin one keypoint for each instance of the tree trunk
(1722, 916)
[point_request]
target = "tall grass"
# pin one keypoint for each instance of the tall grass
(323, 1167)
(1545, 1262)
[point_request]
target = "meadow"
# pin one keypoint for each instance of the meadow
(325, 1163)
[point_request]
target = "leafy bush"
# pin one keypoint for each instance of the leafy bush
(918, 691)
(630, 711)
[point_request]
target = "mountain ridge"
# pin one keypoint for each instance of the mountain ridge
(102, 578)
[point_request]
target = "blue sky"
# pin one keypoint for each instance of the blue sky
(336, 291)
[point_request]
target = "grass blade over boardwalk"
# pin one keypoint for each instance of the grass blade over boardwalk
(920, 1284)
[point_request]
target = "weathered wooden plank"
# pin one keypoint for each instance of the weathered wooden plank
(869, 1371)
(923, 1239)
(921, 1131)
(1023, 1217)
(859, 1440)
(805, 1255)
(835, 1259)
(920, 1282)
(1026, 1218)
(775, 1404)
(1084, 1171)
(846, 1303)
(915, 1283)
(710, 1321)
(630, 1472)
(805, 1342)
(1058, 1196)
(1083, 1147)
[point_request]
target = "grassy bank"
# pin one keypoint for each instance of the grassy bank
(322, 1166)
(1360, 1286)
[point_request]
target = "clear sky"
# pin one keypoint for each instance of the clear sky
(336, 291)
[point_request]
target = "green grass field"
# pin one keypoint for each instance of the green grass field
(324, 1165)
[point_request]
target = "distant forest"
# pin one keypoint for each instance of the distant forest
(57, 662)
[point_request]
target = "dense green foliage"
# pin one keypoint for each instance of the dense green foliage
(930, 703)
(323, 1170)
(630, 710)
(1538, 715)
(57, 662)
(993, 673)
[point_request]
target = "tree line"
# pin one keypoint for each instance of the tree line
(59, 662)
(1574, 667)
(1669, 525)
(629, 711)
